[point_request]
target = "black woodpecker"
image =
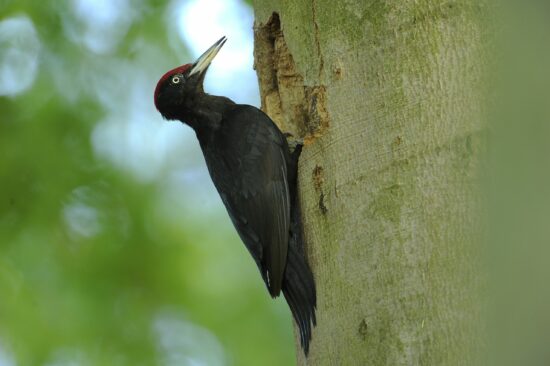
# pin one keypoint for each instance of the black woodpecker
(255, 174)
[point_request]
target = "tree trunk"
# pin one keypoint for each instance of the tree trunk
(386, 97)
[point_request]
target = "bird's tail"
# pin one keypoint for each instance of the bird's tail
(299, 286)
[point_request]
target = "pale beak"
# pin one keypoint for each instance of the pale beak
(206, 58)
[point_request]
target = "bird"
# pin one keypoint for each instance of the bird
(255, 173)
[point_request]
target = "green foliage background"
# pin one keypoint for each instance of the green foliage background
(104, 299)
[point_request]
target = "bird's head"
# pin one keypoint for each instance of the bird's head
(177, 88)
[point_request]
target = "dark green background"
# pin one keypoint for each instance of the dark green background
(161, 277)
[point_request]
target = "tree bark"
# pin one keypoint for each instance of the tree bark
(386, 96)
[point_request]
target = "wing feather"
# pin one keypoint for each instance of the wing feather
(254, 187)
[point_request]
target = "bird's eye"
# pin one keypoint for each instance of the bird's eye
(176, 80)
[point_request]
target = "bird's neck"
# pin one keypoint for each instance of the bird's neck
(205, 112)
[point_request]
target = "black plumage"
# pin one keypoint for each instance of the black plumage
(250, 163)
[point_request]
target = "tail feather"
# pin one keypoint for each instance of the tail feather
(298, 317)
(298, 284)
(299, 291)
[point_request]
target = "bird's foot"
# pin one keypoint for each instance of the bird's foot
(294, 144)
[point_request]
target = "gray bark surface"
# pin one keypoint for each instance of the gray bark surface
(386, 95)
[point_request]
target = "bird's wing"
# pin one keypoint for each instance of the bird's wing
(256, 192)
